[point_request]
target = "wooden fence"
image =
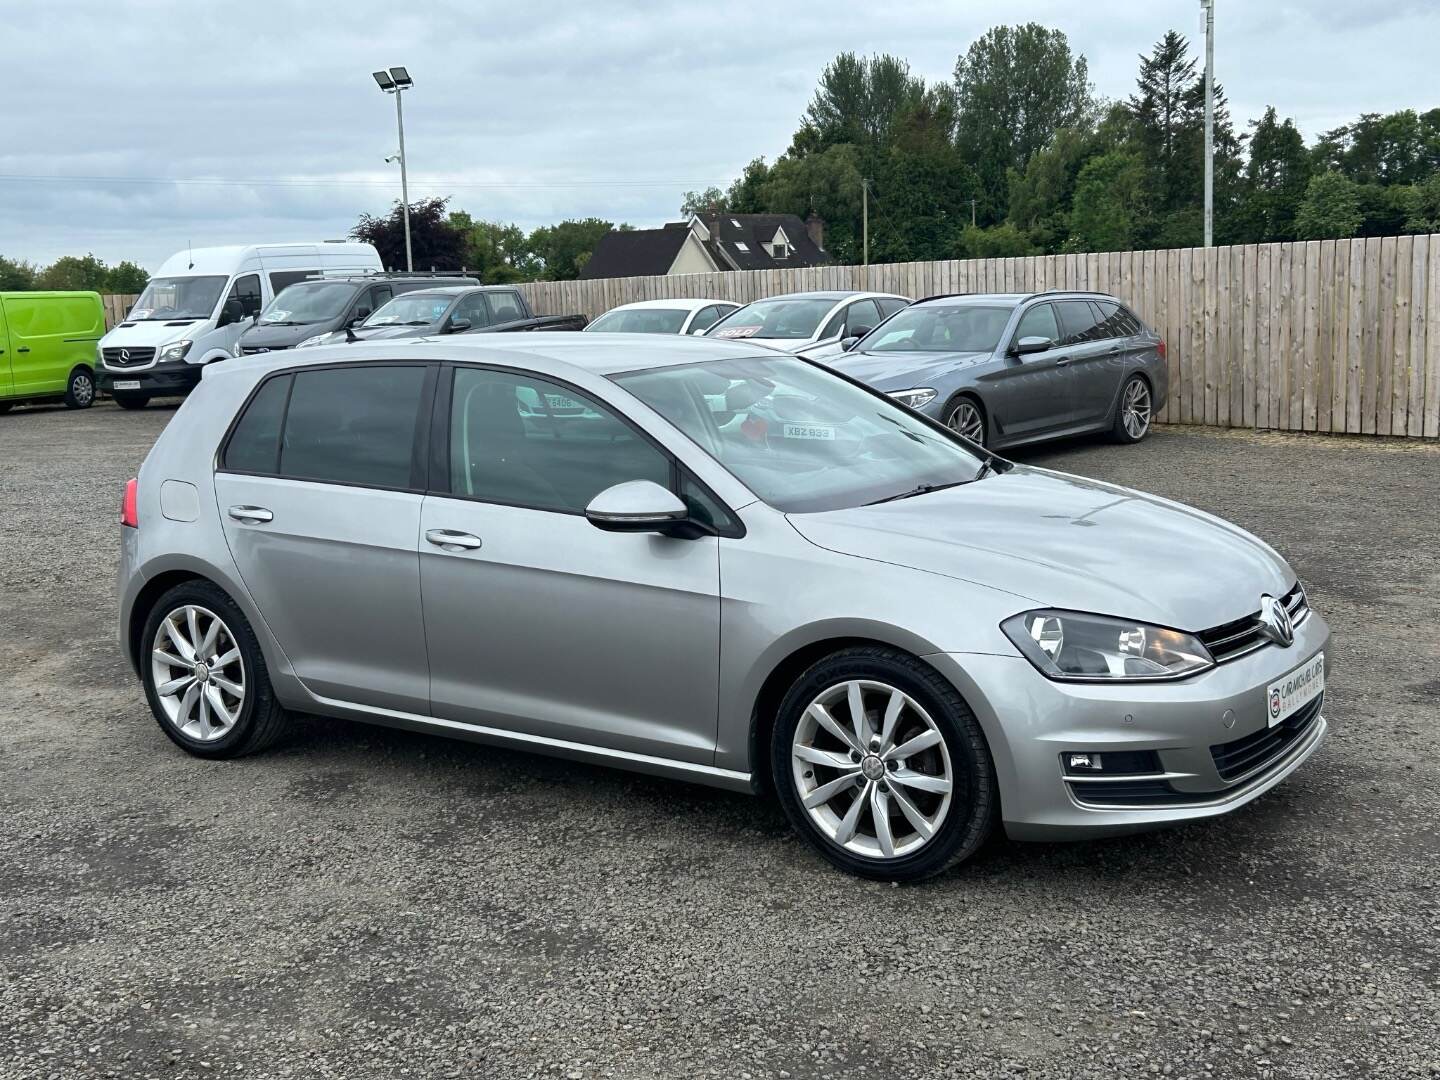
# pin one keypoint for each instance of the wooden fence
(116, 307)
(1326, 335)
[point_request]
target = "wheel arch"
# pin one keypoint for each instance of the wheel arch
(144, 603)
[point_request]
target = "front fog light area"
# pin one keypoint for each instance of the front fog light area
(1075, 645)
(1110, 762)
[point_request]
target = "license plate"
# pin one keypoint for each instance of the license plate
(127, 384)
(1299, 688)
(809, 431)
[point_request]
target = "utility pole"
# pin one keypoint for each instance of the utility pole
(396, 81)
(972, 213)
(865, 225)
(1209, 6)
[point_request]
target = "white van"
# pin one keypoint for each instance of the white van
(194, 310)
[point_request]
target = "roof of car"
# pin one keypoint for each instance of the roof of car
(456, 290)
(830, 294)
(956, 299)
(670, 303)
(549, 352)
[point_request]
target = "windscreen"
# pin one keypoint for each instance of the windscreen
(937, 328)
(640, 321)
(178, 298)
(792, 319)
(308, 302)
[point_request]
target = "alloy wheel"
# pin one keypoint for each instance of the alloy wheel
(872, 769)
(83, 390)
(198, 672)
(1135, 409)
(965, 420)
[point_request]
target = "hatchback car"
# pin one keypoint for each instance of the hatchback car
(671, 316)
(713, 562)
(1008, 369)
(812, 323)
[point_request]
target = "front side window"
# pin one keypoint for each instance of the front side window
(505, 307)
(799, 436)
(889, 305)
(524, 441)
(1039, 321)
(177, 298)
(352, 425)
(471, 308)
(861, 317)
(941, 328)
(791, 319)
(247, 291)
(308, 302)
(411, 309)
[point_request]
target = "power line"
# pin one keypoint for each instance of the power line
(320, 182)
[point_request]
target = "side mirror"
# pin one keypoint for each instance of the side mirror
(1027, 345)
(457, 326)
(361, 314)
(860, 331)
(850, 342)
(232, 312)
(700, 332)
(636, 506)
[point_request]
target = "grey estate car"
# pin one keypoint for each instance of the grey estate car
(1011, 368)
(710, 561)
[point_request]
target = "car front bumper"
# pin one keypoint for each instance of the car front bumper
(1031, 721)
(173, 377)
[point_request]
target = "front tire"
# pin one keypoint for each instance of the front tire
(80, 390)
(881, 766)
(1134, 412)
(966, 417)
(131, 401)
(205, 676)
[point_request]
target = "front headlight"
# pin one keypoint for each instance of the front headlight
(316, 340)
(176, 350)
(1074, 645)
(914, 399)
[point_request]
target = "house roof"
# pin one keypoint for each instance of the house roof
(635, 253)
(755, 231)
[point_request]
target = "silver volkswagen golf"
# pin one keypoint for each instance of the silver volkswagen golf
(710, 561)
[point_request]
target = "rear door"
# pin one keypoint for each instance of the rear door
(319, 491)
(6, 386)
(505, 307)
(1097, 360)
(537, 621)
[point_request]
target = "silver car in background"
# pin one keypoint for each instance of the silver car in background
(813, 323)
(706, 560)
(673, 315)
(1013, 368)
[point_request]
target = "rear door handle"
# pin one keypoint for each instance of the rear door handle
(251, 515)
(1114, 350)
(23, 348)
(450, 540)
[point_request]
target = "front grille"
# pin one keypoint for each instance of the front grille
(252, 350)
(1234, 759)
(1127, 793)
(134, 356)
(1232, 640)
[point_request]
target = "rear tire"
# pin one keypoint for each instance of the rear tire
(228, 710)
(1133, 412)
(131, 401)
(5, 406)
(910, 794)
(80, 390)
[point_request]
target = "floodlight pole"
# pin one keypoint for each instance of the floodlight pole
(865, 226)
(404, 179)
(1209, 6)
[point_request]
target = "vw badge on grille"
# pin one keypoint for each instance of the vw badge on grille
(1275, 621)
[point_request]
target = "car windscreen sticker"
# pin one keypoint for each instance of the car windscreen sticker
(738, 331)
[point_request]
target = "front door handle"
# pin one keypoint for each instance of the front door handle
(251, 515)
(450, 540)
(1062, 361)
(23, 348)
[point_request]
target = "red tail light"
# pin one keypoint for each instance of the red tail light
(1160, 348)
(130, 505)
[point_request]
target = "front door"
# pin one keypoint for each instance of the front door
(6, 388)
(537, 621)
(1031, 395)
(322, 519)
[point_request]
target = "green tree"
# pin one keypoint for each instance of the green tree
(1330, 209)
(562, 250)
(699, 202)
(825, 183)
(1398, 148)
(498, 253)
(1422, 206)
(1275, 179)
(859, 99)
(435, 242)
(73, 272)
(1110, 203)
(1015, 88)
(16, 275)
(745, 195)
(125, 279)
(922, 189)
(997, 242)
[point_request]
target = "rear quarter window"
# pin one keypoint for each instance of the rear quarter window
(254, 445)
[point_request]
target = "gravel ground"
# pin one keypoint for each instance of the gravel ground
(368, 903)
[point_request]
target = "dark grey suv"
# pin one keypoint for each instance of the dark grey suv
(1009, 368)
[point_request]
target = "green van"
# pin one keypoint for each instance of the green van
(47, 347)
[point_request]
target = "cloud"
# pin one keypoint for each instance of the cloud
(530, 112)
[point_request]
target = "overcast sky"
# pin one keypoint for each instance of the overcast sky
(529, 111)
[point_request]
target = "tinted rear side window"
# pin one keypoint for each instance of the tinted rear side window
(353, 426)
(1081, 322)
(254, 445)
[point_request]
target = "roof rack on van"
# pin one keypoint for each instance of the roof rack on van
(315, 275)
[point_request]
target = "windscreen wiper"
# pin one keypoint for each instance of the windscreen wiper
(918, 489)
